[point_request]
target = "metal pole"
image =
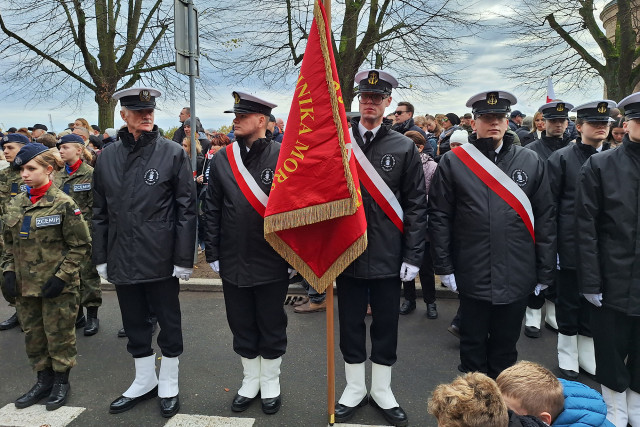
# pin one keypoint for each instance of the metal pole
(192, 98)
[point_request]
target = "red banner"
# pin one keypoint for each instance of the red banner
(314, 216)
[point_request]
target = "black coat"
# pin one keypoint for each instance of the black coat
(144, 209)
(179, 135)
(387, 248)
(563, 167)
(234, 230)
(545, 146)
(608, 227)
(408, 125)
(476, 235)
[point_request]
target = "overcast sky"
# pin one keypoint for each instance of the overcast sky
(483, 71)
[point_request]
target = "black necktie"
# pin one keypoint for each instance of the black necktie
(368, 135)
(494, 156)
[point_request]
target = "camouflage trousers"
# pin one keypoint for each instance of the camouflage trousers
(90, 292)
(49, 330)
(10, 300)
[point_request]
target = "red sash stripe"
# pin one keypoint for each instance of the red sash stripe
(242, 183)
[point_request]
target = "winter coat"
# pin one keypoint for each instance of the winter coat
(608, 227)
(144, 209)
(408, 125)
(546, 145)
(10, 186)
(397, 161)
(234, 230)
(179, 135)
(476, 235)
(583, 406)
(563, 167)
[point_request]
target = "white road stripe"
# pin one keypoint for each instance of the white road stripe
(185, 420)
(37, 415)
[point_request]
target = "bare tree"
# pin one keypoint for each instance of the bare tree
(71, 46)
(565, 40)
(420, 40)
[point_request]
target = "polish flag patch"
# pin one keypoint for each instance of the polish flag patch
(77, 211)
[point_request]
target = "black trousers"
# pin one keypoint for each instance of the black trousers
(488, 334)
(573, 312)
(257, 319)
(427, 281)
(384, 297)
(138, 302)
(616, 338)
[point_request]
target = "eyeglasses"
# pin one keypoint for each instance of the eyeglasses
(444, 120)
(398, 113)
(373, 98)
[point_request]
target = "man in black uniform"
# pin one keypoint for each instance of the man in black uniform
(144, 229)
(554, 137)
(575, 344)
(395, 250)
(608, 253)
(254, 276)
(492, 232)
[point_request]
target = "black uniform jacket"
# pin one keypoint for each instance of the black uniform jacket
(397, 161)
(563, 167)
(479, 237)
(144, 209)
(608, 227)
(546, 145)
(235, 231)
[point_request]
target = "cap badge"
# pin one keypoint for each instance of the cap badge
(602, 107)
(145, 96)
(18, 161)
(492, 98)
(373, 77)
(236, 97)
(560, 106)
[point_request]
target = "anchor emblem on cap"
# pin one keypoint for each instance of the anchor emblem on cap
(602, 107)
(236, 97)
(373, 77)
(560, 106)
(145, 96)
(492, 98)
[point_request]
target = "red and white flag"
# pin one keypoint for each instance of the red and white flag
(550, 93)
(314, 217)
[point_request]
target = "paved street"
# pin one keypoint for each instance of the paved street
(210, 372)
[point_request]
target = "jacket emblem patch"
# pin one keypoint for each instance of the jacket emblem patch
(387, 162)
(82, 187)
(151, 177)
(520, 177)
(47, 221)
(266, 176)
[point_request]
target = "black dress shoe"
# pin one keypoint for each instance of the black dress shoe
(549, 327)
(40, 390)
(432, 311)
(123, 403)
(344, 413)
(569, 374)
(169, 406)
(395, 416)
(407, 307)
(271, 405)
(122, 333)
(532, 331)
(59, 392)
(93, 324)
(454, 330)
(241, 403)
(10, 323)
(81, 321)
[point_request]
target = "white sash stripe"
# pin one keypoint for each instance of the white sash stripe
(251, 182)
(377, 180)
(501, 177)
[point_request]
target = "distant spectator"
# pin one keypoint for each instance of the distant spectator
(200, 135)
(37, 130)
(450, 123)
(81, 123)
(616, 133)
(12, 130)
(458, 137)
(47, 140)
(465, 122)
(179, 134)
(525, 127)
(515, 121)
(403, 120)
(536, 129)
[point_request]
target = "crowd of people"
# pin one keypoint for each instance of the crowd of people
(513, 213)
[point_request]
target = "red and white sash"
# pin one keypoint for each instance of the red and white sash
(498, 181)
(246, 182)
(375, 185)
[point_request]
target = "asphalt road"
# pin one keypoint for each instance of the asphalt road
(210, 372)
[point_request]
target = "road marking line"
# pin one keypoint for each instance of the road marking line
(185, 420)
(37, 415)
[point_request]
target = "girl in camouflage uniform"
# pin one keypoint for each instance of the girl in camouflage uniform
(75, 180)
(46, 240)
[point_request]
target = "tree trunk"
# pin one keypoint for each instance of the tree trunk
(106, 109)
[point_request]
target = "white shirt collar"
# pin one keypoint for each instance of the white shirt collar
(498, 148)
(363, 130)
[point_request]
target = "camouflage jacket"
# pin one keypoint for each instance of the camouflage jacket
(10, 186)
(44, 239)
(78, 186)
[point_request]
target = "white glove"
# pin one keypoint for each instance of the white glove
(182, 273)
(102, 270)
(539, 288)
(215, 266)
(292, 273)
(594, 299)
(449, 280)
(408, 272)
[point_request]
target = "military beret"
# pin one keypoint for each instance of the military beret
(71, 138)
(15, 137)
(28, 152)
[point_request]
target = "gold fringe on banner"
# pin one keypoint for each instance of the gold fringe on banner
(325, 211)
